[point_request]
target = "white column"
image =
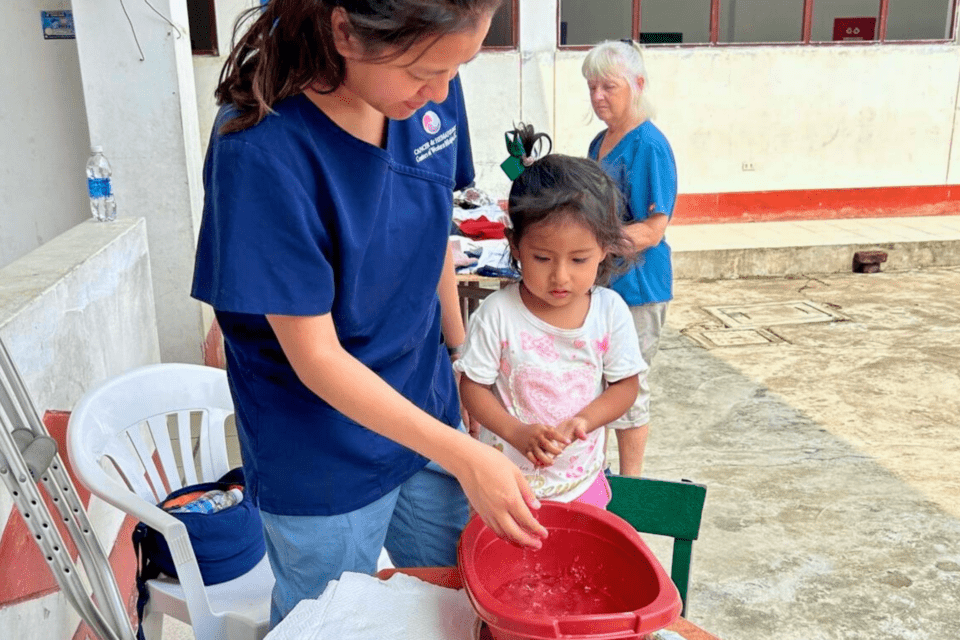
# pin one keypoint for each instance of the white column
(141, 106)
(538, 48)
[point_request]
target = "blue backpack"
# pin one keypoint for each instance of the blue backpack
(227, 543)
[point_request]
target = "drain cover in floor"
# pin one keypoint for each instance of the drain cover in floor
(773, 313)
(711, 338)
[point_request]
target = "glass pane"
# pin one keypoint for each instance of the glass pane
(919, 19)
(501, 28)
(673, 21)
(590, 21)
(761, 20)
(847, 20)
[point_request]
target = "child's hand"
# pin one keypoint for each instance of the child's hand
(575, 427)
(539, 443)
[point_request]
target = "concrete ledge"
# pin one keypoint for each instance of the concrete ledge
(73, 312)
(79, 309)
(718, 264)
(757, 249)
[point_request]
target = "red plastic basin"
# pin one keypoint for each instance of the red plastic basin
(584, 541)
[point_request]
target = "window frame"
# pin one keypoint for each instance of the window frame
(514, 29)
(806, 30)
(211, 43)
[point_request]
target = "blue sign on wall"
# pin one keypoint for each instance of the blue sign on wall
(57, 25)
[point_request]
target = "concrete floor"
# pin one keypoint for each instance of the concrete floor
(831, 458)
(830, 454)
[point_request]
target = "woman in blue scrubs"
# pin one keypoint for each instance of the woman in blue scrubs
(329, 180)
(635, 153)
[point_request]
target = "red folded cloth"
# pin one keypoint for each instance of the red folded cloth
(482, 229)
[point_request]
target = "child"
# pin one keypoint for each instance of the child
(551, 360)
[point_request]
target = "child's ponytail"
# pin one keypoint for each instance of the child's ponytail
(554, 187)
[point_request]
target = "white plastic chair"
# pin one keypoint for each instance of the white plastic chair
(126, 423)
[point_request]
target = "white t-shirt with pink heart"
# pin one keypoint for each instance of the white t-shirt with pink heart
(543, 374)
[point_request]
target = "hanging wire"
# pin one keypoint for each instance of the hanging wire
(179, 35)
(132, 29)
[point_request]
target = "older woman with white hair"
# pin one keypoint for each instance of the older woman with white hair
(634, 152)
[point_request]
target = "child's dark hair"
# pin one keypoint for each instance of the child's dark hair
(290, 45)
(564, 188)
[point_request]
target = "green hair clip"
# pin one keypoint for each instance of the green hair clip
(523, 145)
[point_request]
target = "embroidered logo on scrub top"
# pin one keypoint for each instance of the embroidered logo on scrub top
(431, 122)
(437, 143)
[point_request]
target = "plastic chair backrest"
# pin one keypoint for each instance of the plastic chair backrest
(666, 508)
(150, 423)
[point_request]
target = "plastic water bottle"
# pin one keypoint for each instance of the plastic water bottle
(102, 204)
(212, 501)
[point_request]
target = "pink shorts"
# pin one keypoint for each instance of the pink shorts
(598, 494)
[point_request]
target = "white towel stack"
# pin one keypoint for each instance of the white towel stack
(362, 607)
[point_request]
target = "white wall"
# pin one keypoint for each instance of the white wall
(141, 106)
(804, 117)
(43, 132)
(73, 312)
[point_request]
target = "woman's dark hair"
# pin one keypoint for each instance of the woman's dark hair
(558, 188)
(290, 45)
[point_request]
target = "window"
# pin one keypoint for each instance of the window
(665, 22)
(755, 21)
(202, 19)
(503, 28)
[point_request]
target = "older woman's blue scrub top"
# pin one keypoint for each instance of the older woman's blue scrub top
(643, 165)
(300, 218)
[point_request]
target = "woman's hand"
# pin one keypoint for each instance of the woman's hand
(500, 495)
(647, 233)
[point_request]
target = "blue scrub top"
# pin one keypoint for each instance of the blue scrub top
(643, 165)
(301, 218)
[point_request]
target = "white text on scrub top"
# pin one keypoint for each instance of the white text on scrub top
(437, 144)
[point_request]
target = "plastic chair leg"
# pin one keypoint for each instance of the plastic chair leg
(153, 625)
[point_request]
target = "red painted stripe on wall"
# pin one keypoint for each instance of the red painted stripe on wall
(816, 204)
(26, 574)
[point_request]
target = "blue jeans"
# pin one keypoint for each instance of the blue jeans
(418, 523)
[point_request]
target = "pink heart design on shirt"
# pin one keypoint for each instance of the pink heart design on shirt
(550, 398)
(602, 345)
(579, 344)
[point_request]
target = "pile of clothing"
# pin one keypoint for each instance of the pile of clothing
(477, 236)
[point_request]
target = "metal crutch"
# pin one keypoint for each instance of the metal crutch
(29, 454)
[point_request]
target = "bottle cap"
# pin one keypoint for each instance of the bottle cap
(96, 149)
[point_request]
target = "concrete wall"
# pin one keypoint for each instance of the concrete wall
(140, 96)
(73, 312)
(43, 132)
(747, 118)
(801, 117)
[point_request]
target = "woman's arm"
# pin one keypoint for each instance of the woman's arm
(647, 233)
(652, 190)
(494, 486)
(538, 442)
(451, 319)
